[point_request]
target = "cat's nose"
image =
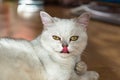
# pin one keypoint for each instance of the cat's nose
(64, 45)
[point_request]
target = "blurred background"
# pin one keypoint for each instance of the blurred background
(20, 19)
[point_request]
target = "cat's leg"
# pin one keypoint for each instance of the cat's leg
(81, 72)
(80, 67)
(89, 75)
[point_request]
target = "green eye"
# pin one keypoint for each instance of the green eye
(74, 38)
(56, 37)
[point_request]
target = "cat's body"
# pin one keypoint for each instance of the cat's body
(24, 64)
(42, 59)
(18, 61)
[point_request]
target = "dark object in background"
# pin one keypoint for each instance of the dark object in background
(67, 3)
(107, 10)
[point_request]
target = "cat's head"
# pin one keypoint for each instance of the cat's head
(64, 37)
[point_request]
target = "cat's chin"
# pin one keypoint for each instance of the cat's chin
(64, 55)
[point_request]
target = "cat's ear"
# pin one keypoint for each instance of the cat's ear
(83, 19)
(45, 18)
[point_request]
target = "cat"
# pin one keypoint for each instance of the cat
(51, 56)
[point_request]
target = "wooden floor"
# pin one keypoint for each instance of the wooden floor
(102, 53)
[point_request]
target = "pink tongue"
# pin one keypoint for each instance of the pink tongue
(65, 50)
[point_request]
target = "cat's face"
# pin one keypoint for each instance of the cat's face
(64, 36)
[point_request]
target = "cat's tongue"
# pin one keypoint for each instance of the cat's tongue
(65, 50)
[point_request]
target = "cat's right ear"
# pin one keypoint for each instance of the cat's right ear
(83, 19)
(45, 18)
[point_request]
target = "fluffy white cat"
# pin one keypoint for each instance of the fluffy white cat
(51, 56)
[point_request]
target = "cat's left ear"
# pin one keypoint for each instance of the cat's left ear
(46, 18)
(83, 19)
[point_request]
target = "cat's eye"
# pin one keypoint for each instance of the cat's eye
(74, 38)
(56, 37)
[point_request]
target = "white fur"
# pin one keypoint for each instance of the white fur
(41, 59)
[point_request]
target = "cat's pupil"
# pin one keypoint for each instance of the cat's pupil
(74, 38)
(56, 37)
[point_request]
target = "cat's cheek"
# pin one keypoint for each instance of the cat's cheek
(73, 47)
(57, 47)
(70, 48)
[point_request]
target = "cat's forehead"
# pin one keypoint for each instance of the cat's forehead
(65, 24)
(65, 27)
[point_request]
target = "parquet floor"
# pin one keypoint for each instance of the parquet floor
(102, 53)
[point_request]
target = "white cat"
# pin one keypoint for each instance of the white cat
(51, 56)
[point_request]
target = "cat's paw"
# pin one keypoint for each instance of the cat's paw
(91, 75)
(80, 67)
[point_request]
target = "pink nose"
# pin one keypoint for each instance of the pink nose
(65, 49)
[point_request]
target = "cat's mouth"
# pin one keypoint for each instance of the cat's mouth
(67, 52)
